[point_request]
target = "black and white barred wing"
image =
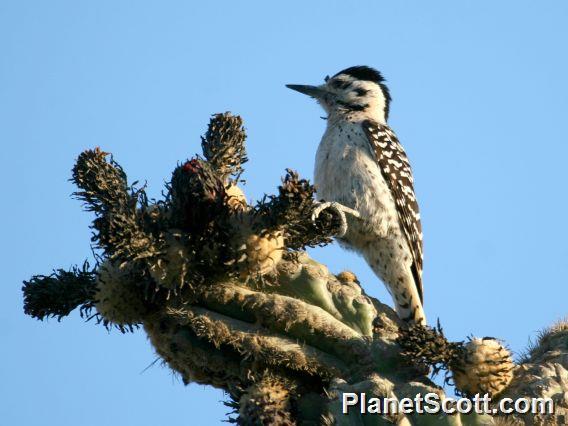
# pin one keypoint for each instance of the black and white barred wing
(395, 168)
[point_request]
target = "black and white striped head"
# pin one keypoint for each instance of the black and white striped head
(355, 89)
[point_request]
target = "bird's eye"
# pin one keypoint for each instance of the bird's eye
(340, 84)
(361, 92)
(326, 79)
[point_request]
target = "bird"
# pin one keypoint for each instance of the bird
(361, 166)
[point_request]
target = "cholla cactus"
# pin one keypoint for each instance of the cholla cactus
(543, 373)
(480, 366)
(229, 299)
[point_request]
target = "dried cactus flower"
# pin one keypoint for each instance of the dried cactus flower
(119, 297)
(486, 366)
(224, 145)
(196, 197)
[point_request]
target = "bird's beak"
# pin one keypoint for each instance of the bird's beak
(316, 92)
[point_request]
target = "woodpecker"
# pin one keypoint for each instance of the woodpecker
(361, 165)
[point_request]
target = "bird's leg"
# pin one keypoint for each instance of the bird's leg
(338, 210)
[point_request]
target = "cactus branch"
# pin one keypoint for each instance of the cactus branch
(58, 294)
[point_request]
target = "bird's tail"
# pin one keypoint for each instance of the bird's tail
(410, 310)
(400, 283)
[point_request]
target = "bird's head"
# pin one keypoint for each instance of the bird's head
(355, 89)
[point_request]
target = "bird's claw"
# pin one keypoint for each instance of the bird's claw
(338, 209)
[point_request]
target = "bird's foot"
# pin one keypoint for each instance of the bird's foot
(337, 210)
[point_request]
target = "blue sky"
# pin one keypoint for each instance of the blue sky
(480, 103)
